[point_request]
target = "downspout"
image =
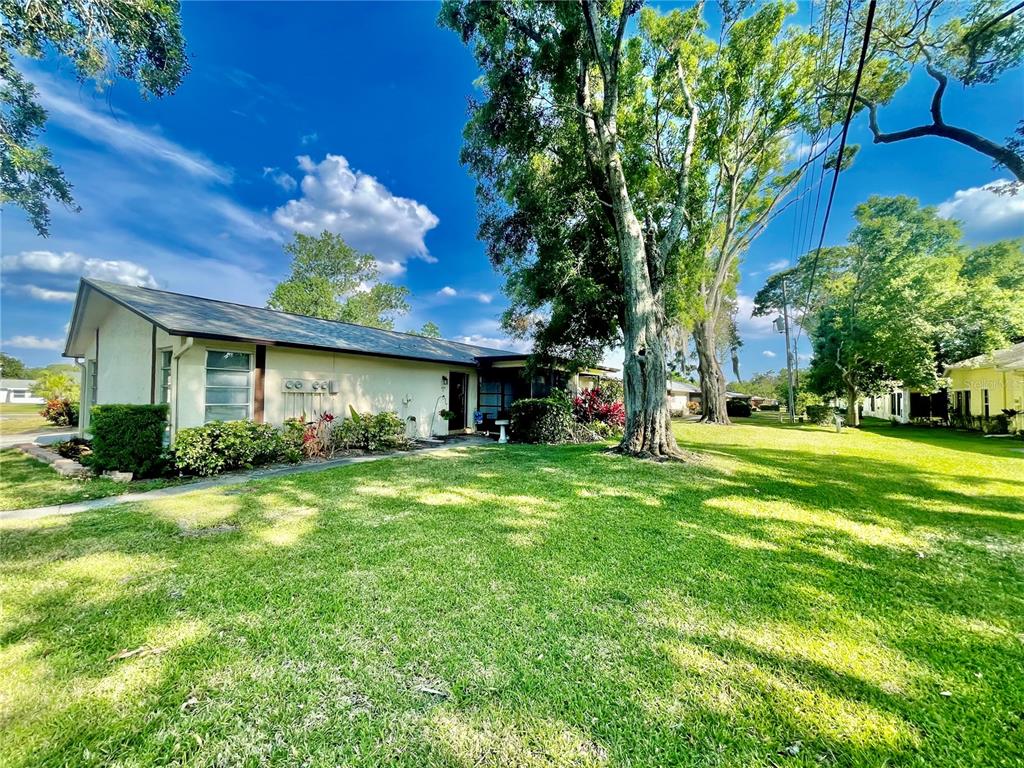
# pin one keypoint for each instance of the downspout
(189, 341)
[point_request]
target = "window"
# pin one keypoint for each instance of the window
(164, 376)
(984, 396)
(495, 398)
(228, 385)
(91, 378)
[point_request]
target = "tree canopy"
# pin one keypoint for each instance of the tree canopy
(140, 41)
(11, 367)
(331, 280)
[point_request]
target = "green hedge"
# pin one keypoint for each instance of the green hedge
(737, 407)
(821, 414)
(541, 420)
(384, 431)
(128, 438)
(221, 446)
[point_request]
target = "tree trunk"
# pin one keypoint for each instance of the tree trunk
(648, 429)
(712, 379)
(852, 411)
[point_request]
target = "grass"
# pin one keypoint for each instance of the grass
(26, 483)
(23, 419)
(801, 598)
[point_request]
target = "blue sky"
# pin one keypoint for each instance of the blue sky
(349, 116)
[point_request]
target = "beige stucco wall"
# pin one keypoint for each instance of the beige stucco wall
(407, 387)
(1005, 390)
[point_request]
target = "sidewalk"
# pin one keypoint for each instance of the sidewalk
(236, 478)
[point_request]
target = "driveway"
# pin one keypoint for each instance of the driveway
(42, 438)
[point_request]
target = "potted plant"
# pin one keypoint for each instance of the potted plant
(445, 414)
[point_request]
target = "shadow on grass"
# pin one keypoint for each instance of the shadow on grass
(564, 606)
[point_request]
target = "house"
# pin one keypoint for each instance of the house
(18, 391)
(680, 395)
(212, 360)
(984, 386)
(902, 404)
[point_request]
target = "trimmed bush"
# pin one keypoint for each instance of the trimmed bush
(128, 438)
(541, 420)
(821, 414)
(598, 406)
(221, 446)
(737, 407)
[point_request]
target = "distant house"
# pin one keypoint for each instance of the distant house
(680, 395)
(213, 360)
(18, 391)
(983, 386)
(902, 404)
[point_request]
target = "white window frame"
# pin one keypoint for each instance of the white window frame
(206, 367)
(165, 390)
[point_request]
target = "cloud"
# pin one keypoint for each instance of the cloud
(768, 353)
(984, 213)
(34, 342)
(496, 342)
(115, 131)
(47, 294)
(484, 298)
(351, 203)
(392, 268)
(74, 265)
(775, 266)
(284, 180)
(749, 326)
(309, 138)
(447, 291)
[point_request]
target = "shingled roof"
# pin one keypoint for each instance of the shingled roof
(182, 315)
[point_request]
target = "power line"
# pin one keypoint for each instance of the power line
(842, 145)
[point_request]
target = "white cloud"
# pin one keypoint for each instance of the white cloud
(497, 342)
(447, 291)
(484, 298)
(46, 294)
(72, 264)
(749, 326)
(114, 130)
(284, 180)
(391, 268)
(775, 266)
(984, 213)
(309, 138)
(355, 205)
(768, 353)
(34, 342)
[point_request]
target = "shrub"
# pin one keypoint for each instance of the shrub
(62, 413)
(693, 407)
(596, 405)
(384, 431)
(128, 438)
(737, 407)
(221, 446)
(541, 420)
(770, 407)
(820, 414)
(76, 448)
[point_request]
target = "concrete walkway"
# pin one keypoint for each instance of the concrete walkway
(235, 478)
(40, 438)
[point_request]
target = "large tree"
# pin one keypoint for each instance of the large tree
(330, 279)
(622, 175)
(11, 367)
(968, 42)
(141, 41)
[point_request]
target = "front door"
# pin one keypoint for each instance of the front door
(459, 384)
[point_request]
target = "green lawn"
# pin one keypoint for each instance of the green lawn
(26, 482)
(23, 418)
(800, 598)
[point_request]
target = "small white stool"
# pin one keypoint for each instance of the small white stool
(503, 438)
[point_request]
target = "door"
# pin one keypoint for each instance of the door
(457, 398)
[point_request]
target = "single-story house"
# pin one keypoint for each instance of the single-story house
(680, 394)
(18, 391)
(901, 404)
(987, 384)
(213, 360)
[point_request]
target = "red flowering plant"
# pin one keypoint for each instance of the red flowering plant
(595, 405)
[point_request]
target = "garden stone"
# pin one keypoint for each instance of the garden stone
(118, 477)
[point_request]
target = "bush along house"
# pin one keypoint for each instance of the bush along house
(987, 392)
(212, 360)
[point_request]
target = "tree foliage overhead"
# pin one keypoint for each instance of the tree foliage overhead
(971, 42)
(137, 40)
(331, 280)
(11, 367)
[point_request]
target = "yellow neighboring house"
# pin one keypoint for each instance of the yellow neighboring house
(982, 387)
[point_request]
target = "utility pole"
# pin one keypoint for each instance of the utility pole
(789, 354)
